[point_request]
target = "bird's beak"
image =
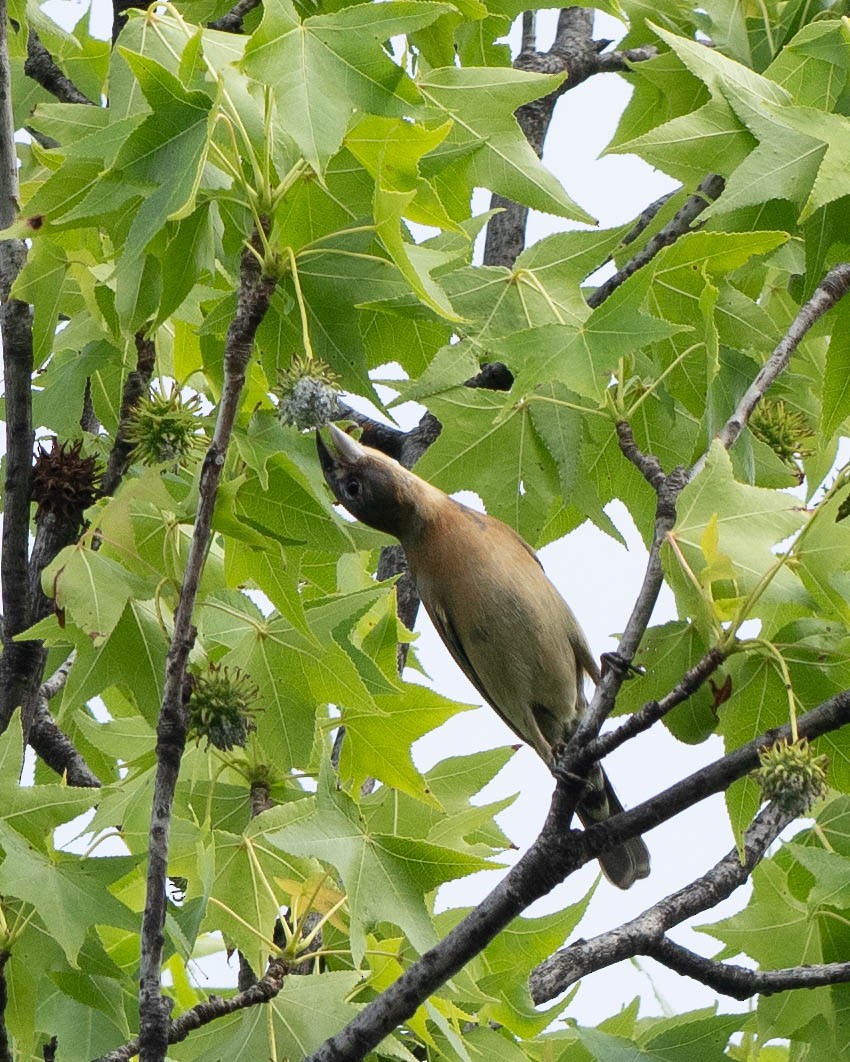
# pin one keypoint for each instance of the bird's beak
(348, 450)
(326, 458)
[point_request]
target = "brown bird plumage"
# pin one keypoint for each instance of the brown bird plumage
(505, 624)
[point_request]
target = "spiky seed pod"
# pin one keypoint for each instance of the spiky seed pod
(222, 706)
(307, 393)
(167, 429)
(792, 775)
(784, 430)
(64, 482)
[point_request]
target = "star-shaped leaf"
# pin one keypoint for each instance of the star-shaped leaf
(481, 102)
(387, 877)
(344, 49)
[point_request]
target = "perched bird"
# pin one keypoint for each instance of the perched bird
(505, 624)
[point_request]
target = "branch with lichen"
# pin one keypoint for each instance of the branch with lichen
(254, 296)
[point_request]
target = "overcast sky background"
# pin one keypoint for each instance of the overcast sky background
(600, 580)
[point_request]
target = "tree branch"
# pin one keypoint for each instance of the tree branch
(578, 758)
(640, 935)
(16, 325)
(831, 290)
(232, 21)
(135, 388)
(740, 982)
(555, 854)
(43, 68)
(709, 189)
(714, 778)
(667, 490)
(255, 291)
(210, 1009)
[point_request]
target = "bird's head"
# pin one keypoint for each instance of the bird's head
(373, 487)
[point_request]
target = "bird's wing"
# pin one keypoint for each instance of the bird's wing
(449, 634)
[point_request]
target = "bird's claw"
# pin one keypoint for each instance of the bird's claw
(615, 662)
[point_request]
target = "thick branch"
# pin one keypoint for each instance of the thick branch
(255, 292)
(53, 746)
(714, 778)
(16, 324)
(637, 936)
(740, 982)
(555, 855)
(43, 68)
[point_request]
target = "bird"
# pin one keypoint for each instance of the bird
(501, 619)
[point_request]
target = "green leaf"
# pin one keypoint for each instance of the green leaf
(247, 891)
(681, 146)
(92, 588)
(507, 961)
(823, 559)
(481, 103)
(300, 59)
(700, 1034)
(750, 523)
(481, 430)
(172, 140)
(386, 877)
(295, 675)
(306, 1012)
(836, 380)
(70, 895)
(407, 714)
(287, 509)
(774, 929)
(35, 811)
(668, 652)
(132, 658)
(41, 283)
(814, 65)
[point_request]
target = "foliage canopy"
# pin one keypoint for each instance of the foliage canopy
(308, 149)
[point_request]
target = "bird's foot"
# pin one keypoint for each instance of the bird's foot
(615, 662)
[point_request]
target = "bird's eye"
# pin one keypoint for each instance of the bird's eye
(352, 487)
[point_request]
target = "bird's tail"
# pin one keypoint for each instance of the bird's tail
(623, 864)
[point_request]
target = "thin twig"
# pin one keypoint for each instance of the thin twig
(135, 388)
(255, 291)
(740, 982)
(529, 31)
(232, 21)
(578, 757)
(708, 190)
(667, 489)
(211, 1009)
(51, 686)
(831, 289)
(636, 936)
